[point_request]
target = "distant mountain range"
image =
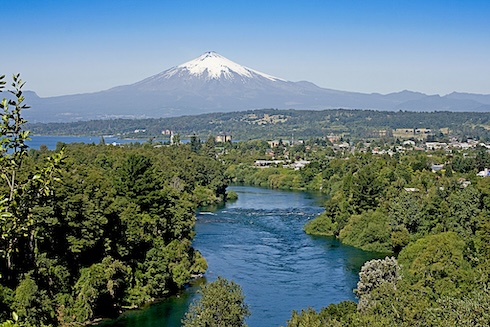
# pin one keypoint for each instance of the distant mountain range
(212, 83)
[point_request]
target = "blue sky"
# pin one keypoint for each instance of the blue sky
(66, 47)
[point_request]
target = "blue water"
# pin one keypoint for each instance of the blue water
(50, 141)
(258, 241)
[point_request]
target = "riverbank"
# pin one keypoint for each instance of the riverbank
(258, 242)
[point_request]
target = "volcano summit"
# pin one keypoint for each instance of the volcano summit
(213, 66)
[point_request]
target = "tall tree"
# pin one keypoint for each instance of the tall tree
(373, 274)
(221, 305)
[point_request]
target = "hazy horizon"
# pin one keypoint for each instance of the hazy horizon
(434, 47)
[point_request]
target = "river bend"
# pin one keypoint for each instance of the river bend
(258, 241)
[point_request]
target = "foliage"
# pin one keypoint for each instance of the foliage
(375, 274)
(11, 323)
(15, 223)
(436, 223)
(252, 125)
(340, 314)
(231, 195)
(92, 229)
(321, 225)
(306, 318)
(221, 304)
(437, 263)
(369, 231)
(98, 285)
(471, 310)
(22, 193)
(116, 231)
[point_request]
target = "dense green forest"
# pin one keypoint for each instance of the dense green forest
(88, 230)
(436, 224)
(275, 124)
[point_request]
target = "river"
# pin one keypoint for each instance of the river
(258, 241)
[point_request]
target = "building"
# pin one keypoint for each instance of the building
(274, 143)
(223, 138)
(416, 133)
(435, 145)
(436, 168)
(268, 163)
(484, 173)
(297, 165)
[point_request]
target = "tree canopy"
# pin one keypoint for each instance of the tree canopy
(88, 229)
(222, 303)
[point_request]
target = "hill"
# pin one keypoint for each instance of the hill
(274, 123)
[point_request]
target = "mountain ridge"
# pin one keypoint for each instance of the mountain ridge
(213, 83)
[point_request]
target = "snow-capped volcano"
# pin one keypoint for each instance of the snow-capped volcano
(212, 83)
(206, 71)
(211, 65)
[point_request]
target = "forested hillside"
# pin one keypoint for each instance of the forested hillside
(275, 124)
(114, 231)
(88, 230)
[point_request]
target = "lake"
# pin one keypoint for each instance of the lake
(50, 141)
(258, 241)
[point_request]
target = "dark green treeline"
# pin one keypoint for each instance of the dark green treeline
(114, 231)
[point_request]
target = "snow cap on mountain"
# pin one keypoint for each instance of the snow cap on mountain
(212, 65)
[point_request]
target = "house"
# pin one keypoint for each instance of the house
(267, 163)
(297, 165)
(333, 138)
(484, 173)
(435, 145)
(269, 153)
(341, 146)
(274, 143)
(436, 168)
(418, 133)
(409, 143)
(223, 138)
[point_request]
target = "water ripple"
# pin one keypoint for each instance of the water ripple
(259, 242)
